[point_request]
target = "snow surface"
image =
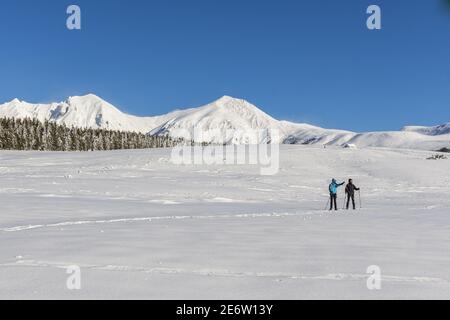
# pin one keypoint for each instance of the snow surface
(141, 227)
(214, 119)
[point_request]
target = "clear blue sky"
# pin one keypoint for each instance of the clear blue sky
(301, 60)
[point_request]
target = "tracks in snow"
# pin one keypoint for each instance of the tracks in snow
(157, 218)
(230, 274)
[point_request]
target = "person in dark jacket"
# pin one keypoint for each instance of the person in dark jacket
(333, 193)
(350, 192)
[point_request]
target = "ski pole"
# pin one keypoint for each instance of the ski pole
(345, 199)
(360, 203)
(326, 207)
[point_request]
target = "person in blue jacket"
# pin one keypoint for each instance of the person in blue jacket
(333, 193)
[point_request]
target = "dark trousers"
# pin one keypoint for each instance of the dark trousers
(333, 201)
(352, 197)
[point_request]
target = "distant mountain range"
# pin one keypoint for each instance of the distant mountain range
(226, 113)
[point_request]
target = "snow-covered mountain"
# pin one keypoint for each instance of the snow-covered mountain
(226, 114)
(87, 111)
(226, 120)
(431, 131)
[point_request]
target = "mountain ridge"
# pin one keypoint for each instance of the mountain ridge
(224, 114)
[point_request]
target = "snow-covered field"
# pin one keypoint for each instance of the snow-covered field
(141, 227)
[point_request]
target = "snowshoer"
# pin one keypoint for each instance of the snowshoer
(333, 193)
(350, 192)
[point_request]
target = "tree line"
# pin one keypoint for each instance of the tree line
(32, 134)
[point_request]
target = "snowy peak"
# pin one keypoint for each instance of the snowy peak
(216, 118)
(15, 101)
(242, 108)
(91, 103)
(88, 111)
(237, 111)
(226, 99)
(89, 100)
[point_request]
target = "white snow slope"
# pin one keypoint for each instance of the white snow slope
(85, 112)
(227, 113)
(141, 227)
